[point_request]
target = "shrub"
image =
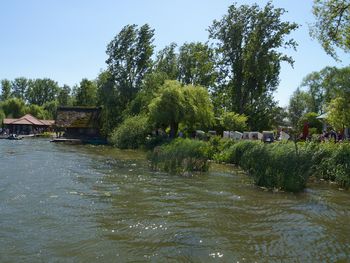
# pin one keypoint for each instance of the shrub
(181, 156)
(131, 134)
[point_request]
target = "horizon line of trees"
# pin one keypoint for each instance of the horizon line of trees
(231, 77)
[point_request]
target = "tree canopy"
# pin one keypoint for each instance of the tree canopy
(332, 26)
(249, 41)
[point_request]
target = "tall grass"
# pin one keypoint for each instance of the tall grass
(181, 156)
(271, 165)
(331, 161)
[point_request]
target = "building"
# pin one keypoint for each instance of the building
(78, 122)
(26, 125)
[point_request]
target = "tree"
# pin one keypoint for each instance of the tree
(5, 89)
(176, 104)
(196, 63)
(332, 26)
(233, 121)
(63, 97)
(37, 111)
(311, 119)
(338, 113)
(298, 106)
(41, 91)
(249, 40)
(167, 62)
(131, 133)
(19, 87)
(86, 93)
(13, 108)
(129, 59)
(107, 97)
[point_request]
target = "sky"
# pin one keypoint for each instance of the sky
(66, 40)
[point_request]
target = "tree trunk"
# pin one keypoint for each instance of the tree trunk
(174, 126)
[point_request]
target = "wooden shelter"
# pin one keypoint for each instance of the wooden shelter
(26, 125)
(78, 122)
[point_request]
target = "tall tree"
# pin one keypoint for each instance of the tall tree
(86, 93)
(5, 89)
(63, 97)
(107, 97)
(332, 26)
(298, 106)
(167, 62)
(41, 91)
(249, 42)
(197, 65)
(19, 87)
(129, 59)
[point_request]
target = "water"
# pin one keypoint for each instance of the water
(65, 203)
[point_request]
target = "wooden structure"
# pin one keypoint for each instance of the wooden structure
(26, 125)
(78, 122)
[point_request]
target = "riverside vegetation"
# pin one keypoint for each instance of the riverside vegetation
(226, 83)
(278, 165)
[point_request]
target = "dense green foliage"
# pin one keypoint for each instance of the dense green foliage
(181, 156)
(232, 121)
(131, 133)
(332, 26)
(249, 39)
(176, 104)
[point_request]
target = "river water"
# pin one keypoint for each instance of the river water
(65, 203)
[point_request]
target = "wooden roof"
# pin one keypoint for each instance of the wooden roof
(28, 120)
(78, 117)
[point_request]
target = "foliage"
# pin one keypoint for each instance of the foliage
(85, 93)
(175, 104)
(37, 111)
(248, 40)
(5, 89)
(41, 91)
(13, 108)
(167, 62)
(271, 165)
(107, 98)
(311, 119)
(63, 97)
(338, 114)
(51, 108)
(181, 156)
(129, 59)
(196, 65)
(19, 87)
(232, 121)
(325, 85)
(131, 133)
(332, 26)
(297, 107)
(2, 115)
(332, 162)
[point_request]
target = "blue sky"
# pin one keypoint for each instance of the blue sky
(66, 39)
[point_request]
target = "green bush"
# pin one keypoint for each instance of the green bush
(275, 165)
(131, 134)
(181, 156)
(331, 161)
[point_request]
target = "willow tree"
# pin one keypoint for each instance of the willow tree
(175, 104)
(249, 42)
